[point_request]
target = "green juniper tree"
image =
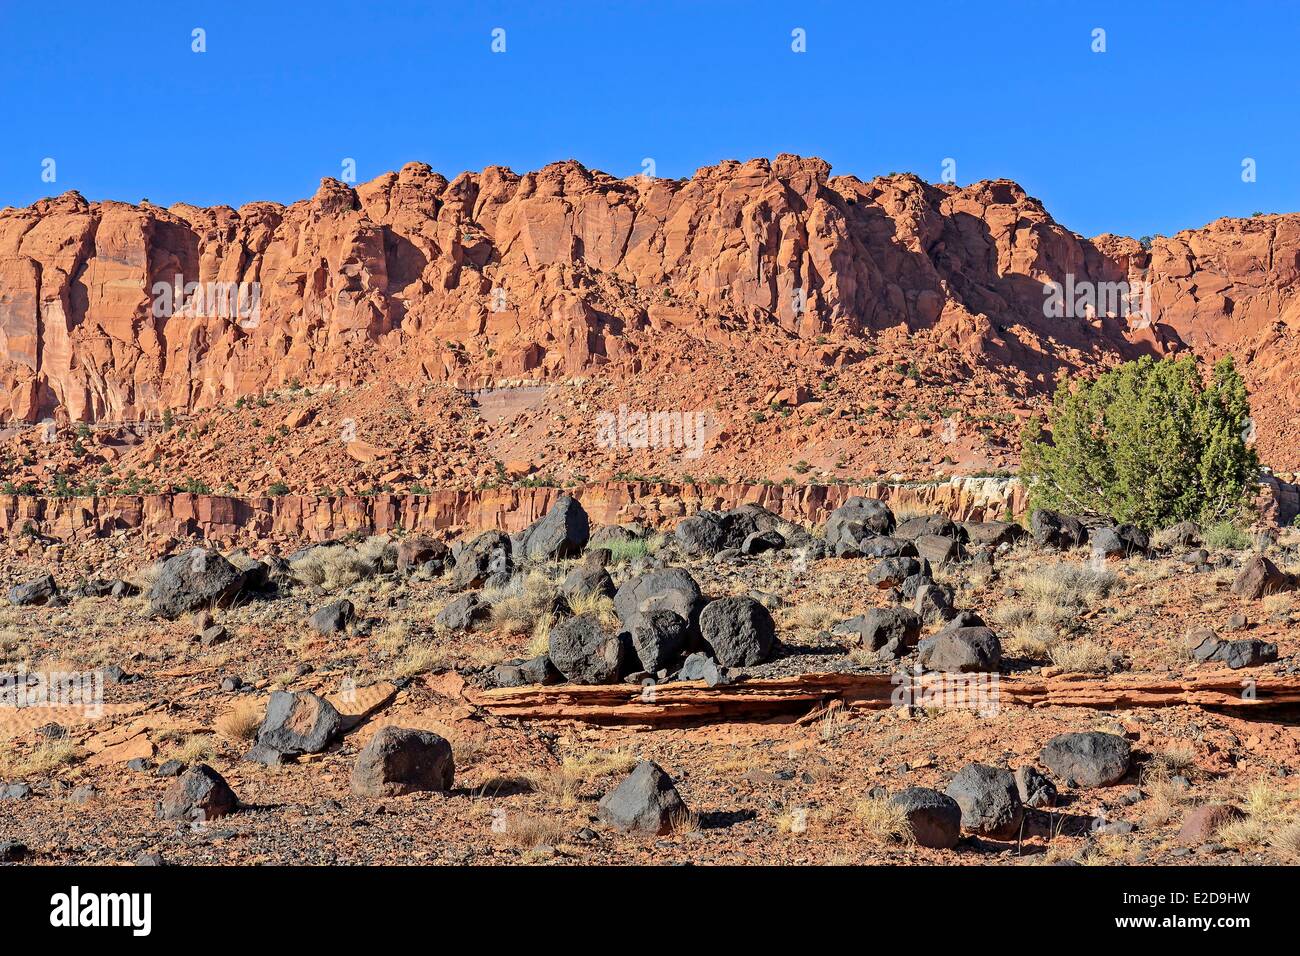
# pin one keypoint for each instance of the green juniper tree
(1150, 443)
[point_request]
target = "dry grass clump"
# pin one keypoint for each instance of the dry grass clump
(336, 566)
(1272, 819)
(564, 784)
(1054, 596)
(881, 821)
(145, 577)
(239, 724)
(517, 604)
(45, 758)
(806, 619)
(196, 748)
(527, 831)
(1080, 657)
(597, 604)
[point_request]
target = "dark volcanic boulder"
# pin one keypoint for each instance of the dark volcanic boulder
(989, 801)
(879, 626)
(1035, 790)
(298, 723)
(961, 650)
(585, 580)
(992, 533)
(1260, 577)
(892, 572)
(760, 541)
(416, 549)
(1106, 543)
(461, 613)
(738, 630)
(739, 523)
(196, 579)
(333, 618)
(561, 533)
(521, 673)
(934, 817)
(37, 591)
(856, 519)
(398, 761)
(645, 802)
(701, 666)
(1251, 652)
(1052, 529)
(1091, 759)
(659, 640)
(584, 652)
(480, 558)
(884, 546)
(700, 535)
(198, 794)
(669, 589)
(940, 525)
(938, 550)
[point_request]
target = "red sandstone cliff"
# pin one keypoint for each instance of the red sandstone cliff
(775, 265)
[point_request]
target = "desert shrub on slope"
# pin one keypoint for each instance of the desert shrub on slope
(1150, 443)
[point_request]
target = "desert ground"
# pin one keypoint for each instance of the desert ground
(425, 644)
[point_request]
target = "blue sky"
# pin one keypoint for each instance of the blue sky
(1147, 137)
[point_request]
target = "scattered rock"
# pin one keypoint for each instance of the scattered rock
(397, 761)
(1260, 577)
(584, 652)
(660, 639)
(1203, 822)
(989, 801)
(298, 723)
(738, 630)
(668, 589)
(200, 793)
(646, 801)
(935, 818)
(1091, 759)
(199, 578)
(700, 666)
(36, 592)
(962, 650)
(333, 618)
(1035, 790)
(459, 616)
(561, 533)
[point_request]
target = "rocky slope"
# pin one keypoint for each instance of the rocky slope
(892, 325)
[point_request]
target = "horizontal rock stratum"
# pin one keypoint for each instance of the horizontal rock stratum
(567, 272)
(295, 518)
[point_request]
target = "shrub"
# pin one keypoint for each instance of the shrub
(1150, 443)
(1225, 536)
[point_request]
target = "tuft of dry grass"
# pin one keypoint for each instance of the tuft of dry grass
(881, 821)
(527, 831)
(564, 784)
(1080, 657)
(195, 748)
(337, 566)
(45, 758)
(1053, 598)
(1272, 819)
(517, 604)
(239, 724)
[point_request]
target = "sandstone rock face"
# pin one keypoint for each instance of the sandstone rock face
(554, 273)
